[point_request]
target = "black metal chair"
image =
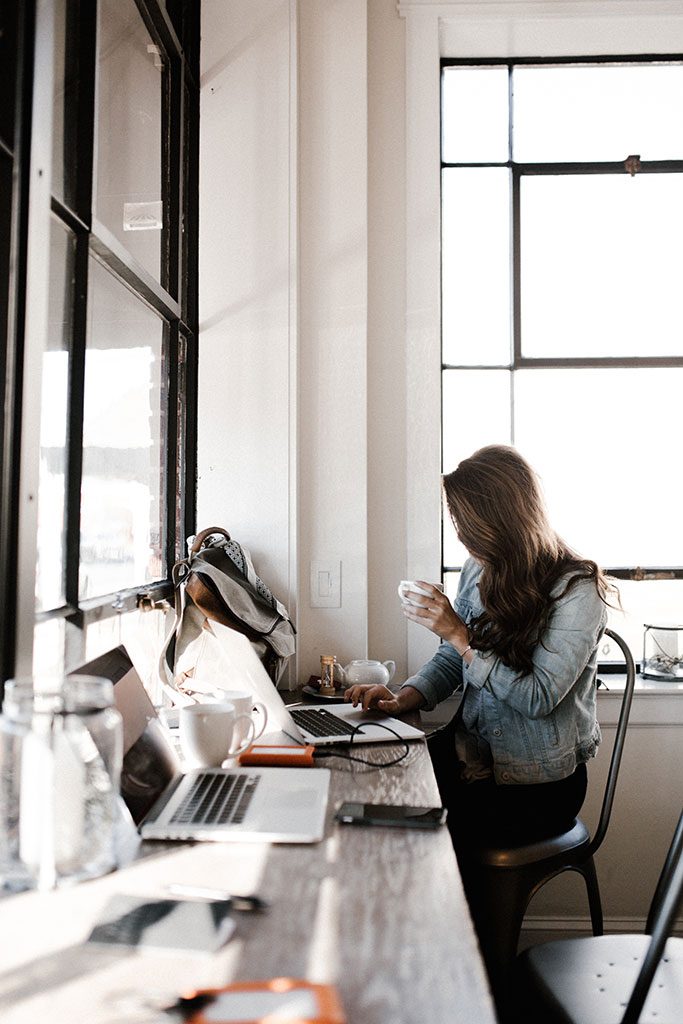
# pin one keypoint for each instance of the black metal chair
(508, 877)
(607, 979)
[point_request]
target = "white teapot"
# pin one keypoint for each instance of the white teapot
(363, 670)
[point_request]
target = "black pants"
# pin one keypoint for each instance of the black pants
(502, 815)
(483, 813)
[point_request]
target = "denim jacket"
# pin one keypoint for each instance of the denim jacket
(531, 728)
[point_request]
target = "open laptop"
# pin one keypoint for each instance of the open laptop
(320, 725)
(276, 805)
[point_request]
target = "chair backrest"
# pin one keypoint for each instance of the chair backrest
(618, 749)
(666, 904)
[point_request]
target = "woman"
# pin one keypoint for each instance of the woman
(522, 640)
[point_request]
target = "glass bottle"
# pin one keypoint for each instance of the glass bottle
(60, 766)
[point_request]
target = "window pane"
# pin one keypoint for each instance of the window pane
(128, 196)
(124, 441)
(475, 121)
(604, 443)
(67, 88)
(188, 288)
(476, 266)
(605, 251)
(604, 112)
(466, 393)
(53, 423)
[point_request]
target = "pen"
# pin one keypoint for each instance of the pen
(205, 893)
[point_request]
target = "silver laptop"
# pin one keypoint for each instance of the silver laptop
(320, 725)
(276, 805)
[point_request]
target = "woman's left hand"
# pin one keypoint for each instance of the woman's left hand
(436, 612)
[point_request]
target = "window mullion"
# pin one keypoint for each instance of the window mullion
(11, 376)
(516, 269)
(76, 392)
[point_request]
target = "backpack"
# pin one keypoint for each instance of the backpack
(217, 581)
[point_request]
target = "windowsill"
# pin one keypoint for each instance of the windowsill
(645, 687)
(655, 703)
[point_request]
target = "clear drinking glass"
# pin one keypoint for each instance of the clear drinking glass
(60, 765)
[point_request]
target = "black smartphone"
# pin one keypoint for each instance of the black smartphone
(391, 814)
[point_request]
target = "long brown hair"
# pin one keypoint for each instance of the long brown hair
(497, 507)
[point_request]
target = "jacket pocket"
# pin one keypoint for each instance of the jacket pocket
(543, 734)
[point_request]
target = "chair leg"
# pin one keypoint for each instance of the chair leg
(594, 902)
(498, 905)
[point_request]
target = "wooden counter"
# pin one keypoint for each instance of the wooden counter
(379, 912)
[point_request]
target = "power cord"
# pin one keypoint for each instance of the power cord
(358, 730)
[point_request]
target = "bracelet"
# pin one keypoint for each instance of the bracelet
(468, 648)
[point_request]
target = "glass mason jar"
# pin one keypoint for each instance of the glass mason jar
(60, 766)
(663, 653)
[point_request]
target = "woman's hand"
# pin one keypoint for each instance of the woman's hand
(374, 695)
(436, 612)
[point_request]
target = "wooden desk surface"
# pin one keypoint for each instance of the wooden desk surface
(379, 912)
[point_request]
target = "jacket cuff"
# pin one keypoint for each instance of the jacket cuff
(422, 686)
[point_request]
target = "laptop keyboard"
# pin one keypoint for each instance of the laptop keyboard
(216, 799)
(320, 722)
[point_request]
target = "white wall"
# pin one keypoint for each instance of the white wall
(247, 266)
(333, 324)
(387, 382)
(302, 430)
(319, 309)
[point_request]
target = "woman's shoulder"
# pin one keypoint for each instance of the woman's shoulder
(469, 580)
(574, 590)
(467, 601)
(575, 578)
(470, 572)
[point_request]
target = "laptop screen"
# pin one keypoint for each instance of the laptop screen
(150, 761)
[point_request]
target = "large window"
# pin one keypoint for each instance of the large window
(114, 448)
(562, 311)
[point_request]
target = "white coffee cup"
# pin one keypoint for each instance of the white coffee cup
(410, 585)
(207, 733)
(245, 705)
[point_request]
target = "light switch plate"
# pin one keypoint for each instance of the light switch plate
(325, 584)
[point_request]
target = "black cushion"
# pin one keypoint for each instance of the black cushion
(532, 853)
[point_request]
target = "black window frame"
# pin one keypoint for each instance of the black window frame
(518, 171)
(174, 27)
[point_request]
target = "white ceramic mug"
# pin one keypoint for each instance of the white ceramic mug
(207, 733)
(406, 585)
(245, 705)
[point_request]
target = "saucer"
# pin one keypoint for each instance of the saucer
(311, 692)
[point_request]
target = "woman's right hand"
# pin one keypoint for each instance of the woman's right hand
(375, 695)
